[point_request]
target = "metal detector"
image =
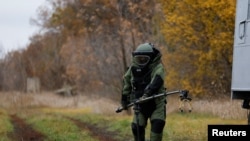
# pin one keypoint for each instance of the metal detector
(183, 93)
(138, 101)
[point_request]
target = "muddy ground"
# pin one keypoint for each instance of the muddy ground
(25, 132)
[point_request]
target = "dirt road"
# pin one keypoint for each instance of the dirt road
(23, 131)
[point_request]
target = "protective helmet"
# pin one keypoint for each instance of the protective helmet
(143, 54)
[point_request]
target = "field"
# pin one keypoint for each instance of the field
(50, 117)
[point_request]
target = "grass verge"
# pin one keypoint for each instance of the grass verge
(5, 125)
(58, 128)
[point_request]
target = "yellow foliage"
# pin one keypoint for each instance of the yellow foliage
(199, 35)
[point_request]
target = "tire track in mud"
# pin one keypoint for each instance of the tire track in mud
(23, 132)
(99, 133)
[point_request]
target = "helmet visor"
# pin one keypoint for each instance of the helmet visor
(141, 60)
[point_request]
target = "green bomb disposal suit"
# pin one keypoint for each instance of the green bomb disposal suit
(145, 77)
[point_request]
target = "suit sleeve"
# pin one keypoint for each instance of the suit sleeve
(127, 87)
(157, 81)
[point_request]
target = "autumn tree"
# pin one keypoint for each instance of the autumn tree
(88, 43)
(99, 37)
(13, 74)
(199, 36)
(42, 60)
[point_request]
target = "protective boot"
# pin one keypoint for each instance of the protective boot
(157, 126)
(155, 136)
(142, 138)
(141, 133)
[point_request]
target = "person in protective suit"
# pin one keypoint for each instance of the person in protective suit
(144, 78)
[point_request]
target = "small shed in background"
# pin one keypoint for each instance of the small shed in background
(33, 85)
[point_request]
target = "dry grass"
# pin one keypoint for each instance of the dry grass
(224, 108)
(16, 101)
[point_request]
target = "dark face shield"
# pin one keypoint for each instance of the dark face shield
(141, 60)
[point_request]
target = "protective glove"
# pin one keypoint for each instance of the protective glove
(124, 101)
(147, 92)
(143, 96)
(124, 104)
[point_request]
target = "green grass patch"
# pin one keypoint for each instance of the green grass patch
(5, 125)
(192, 126)
(120, 125)
(58, 128)
(179, 126)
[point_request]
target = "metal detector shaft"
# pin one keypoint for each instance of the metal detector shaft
(119, 109)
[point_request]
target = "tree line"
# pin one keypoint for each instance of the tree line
(88, 43)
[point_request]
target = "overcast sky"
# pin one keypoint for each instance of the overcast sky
(15, 27)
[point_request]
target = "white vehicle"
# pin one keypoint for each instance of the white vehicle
(240, 86)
